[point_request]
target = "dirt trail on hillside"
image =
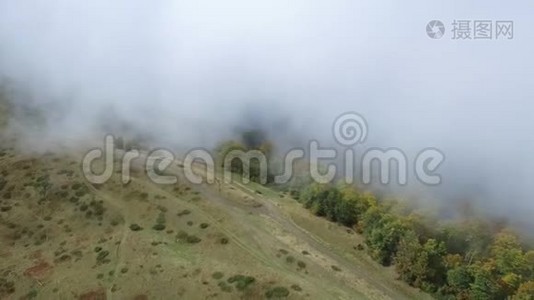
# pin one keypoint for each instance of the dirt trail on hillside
(352, 276)
(355, 277)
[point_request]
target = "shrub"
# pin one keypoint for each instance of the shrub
(184, 237)
(161, 219)
(277, 292)
(101, 258)
(135, 227)
(98, 208)
(159, 227)
(80, 193)
(204, 225)
(224, 287)
(296, 287)
(242, 281)
(191, 239)
(31, 294)
(3, 183)
(160, 222)
(184, 212)
(181, 235)
(217, 275)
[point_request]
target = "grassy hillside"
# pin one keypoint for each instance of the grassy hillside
(63, 238)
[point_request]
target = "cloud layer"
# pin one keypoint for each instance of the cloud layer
(190, 72)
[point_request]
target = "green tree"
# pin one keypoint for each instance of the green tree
(331, 203)
(406, 259)
(236, 165)
(383, 234)
(529, 259)
(420, 265)
(484, 284)
(352, 206)
(508, 254)
(525, 291)
(459, 280)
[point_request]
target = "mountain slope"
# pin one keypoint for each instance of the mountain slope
(65, 238)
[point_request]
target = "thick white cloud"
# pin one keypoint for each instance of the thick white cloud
(186, 70)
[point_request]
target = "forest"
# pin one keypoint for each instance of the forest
(469, 259)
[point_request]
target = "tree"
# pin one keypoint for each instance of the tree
(455, 238)
(312, 194)
(433, 252)
(331, 203)
(529, 259)
(459, 280)
(352, 207)
(347, 211)
(236, 165)
(384, 236)
(420, 265)
(510, 261)
(508, 254)
(406, 259)
(525, 291)
(484, 284)
(465, 261)
(253, 139)
(251, 142)
(119, 142)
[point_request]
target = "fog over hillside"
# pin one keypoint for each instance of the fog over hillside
(190, 73)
